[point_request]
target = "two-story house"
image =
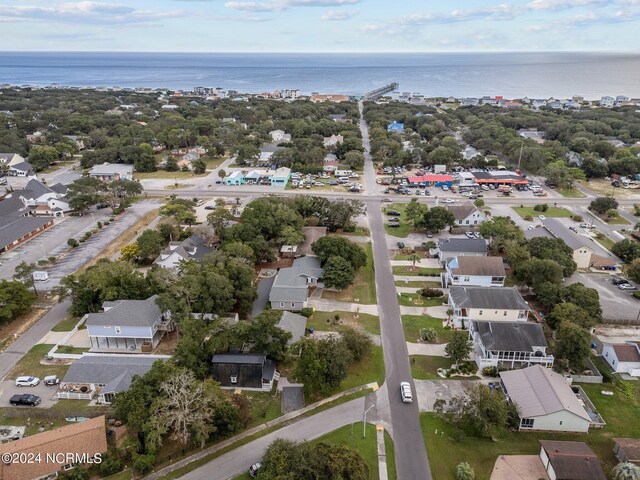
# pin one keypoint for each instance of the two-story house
(509, 344)
(280, 136)
(127, 326)
(474, 272)
(461, 247)
(466, 215)
(623, 357)
(290, 289)
(488, 304)
(192, 248)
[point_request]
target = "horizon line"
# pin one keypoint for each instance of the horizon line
(290, 52)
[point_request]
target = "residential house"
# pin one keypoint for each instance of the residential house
(627, 450)
(44, 200)
(79, 440)
(279, 136)
(22, 169)
(169, 106)
(508, 345)
(570, 461)
(290, 289)
(470, 152)
(340, 118)
(474, 272)
(545, 401)
(109, 172)
(235, 178)
(244, 371)
(466, 215)
(469, 102)
(532, 134)
(621, 100)
(461, 247)
(318, 98)
(280, 177)
(192, 248)
(623, 357)
(333, 141)
(35, 137)
(128, 326)
(311, 236)
(293, 323)
(288, 251)
(9, 159)
(103, 376)
(488, 304)
(78, 141)
(607, 102)
(395, 127)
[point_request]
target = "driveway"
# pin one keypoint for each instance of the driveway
(428, 391)
(616, 304)
(46, 394)
(264, 288)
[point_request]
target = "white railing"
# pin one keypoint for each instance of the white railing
(76, 395)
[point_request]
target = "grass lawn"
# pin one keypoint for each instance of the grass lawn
(417, 271)
(412, 324)
(123, 475)
(79, 407)
(32, 429)
(70, 349)
(363, 289)
(425, 367)
(405, 255)
(415, 300)
(30, 364)
(367, 370)
(605, 241)
(444, 454)
(552, 212)
(617, 221)
(418, 284)
(322, 321)
(264, 407)
(404, 229)
(213, 163)
(570, 193)
(391, 457)
(359, 232)
(66, 325)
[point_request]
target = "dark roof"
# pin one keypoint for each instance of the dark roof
(59, 188)
(140, 313)
(294, 324)
(471, 245)
(510, 336)
(12, 206)
(626, 352)
(573, 460)
(487, 266)
(311, 235)
(192, 248)
(13, 228)
(487, 297)
(24, 166)
(115, 372)
(630, 447)
(572, 239)
(240, 358)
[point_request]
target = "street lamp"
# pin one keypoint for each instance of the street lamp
(364, 421)
(93, 217)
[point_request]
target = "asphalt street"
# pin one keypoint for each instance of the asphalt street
(410, 452)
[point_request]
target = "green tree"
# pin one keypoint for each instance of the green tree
(130, 253)
(586, 298)
(354, 159)
(479, 203)
(42, 156)
(219, 219)
(15, 299)
(264, 334)
(553, 249)
(572, 345)
(181, 210)
(626, 471)
(199, 166)
(499, 230)
(222, 173)
(437, 218)
(536, 271)
(459, 347)
(414, 257)
(291, 236)
(24, 273)
(171, 164)
(358, 343)
(632, 270)
(323, 364)
(602, 205)
(415, 213)
(487, 409)
(338, 273)
(330, 246)
(627, 250)
(465, 472)
(569, 312)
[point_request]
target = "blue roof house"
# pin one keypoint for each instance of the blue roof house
(281, 177)
(236, 178)
(395, 127)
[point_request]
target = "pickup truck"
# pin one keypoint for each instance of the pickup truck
(25, 399)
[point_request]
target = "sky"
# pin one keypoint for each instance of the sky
(319, 25)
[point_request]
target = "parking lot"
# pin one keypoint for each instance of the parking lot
(47, 394)
(616, 304)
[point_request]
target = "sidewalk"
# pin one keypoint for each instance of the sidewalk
(323, 305)
(417, 278)
(382, 454)
(427, 349)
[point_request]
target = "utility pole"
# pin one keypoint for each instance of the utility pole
(364, 421)
(520, 158)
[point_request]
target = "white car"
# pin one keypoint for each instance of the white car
(405, 392)
(27, 381)
(626, 286)
(469, 235)
(448, 200)
(530, 227)
(542, 217)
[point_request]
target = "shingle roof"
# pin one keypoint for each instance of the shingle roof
(470, 245)
(193, 247)
(291, 284)
(141, 313)
(114, 371)
(573, 460)
(23, 166)
(626, 352)
(244, 358)
(111, 168)
(510, 336)
(486, 266)
(461, 211)
(538, 391)
(13, 228)
(630, 447)
(487, 297)
(294, 324)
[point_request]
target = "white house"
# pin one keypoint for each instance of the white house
(108, 172)
(474, 271)
(280, 136)
(545, 400)
(607, 102)
(333, 140)
(570, 461)
(488, 304)
(193, 248)
(44, 200)
(466, 215)
(461, 247)
(508, 345)
(623, 357)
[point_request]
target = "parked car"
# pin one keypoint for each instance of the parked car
(476, 234)
(405, 392)
(626, 286)
(429, 235)
(27, 381)
(51, 380)
(394, 225)
(387, 200)
(26, 399)
(253, 469)
(542, 217)
(393, 213)
(469, 235)
(400, 245)
(448, 200)
(619, 281)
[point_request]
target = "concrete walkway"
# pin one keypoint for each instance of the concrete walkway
(424, 263)
(428, 349)
(417, 278)
(382, 454)
(437, 312)
(324, 305)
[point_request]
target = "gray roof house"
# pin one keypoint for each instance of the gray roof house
(15, 230)
(127, 326)
(488, 304)
(545, 401)
(509, 344)
(104, 375)
(461, 247)
(290, 289)
(293, 323)
(193, 248)
(244, 371)
(112, 171)
(475, 271)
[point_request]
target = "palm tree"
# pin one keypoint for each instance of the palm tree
(465, 472)
(222, 174)
(626, 471)
(415, 257)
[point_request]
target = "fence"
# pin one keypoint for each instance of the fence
(45, 413)
(595, 377)
(73, 356)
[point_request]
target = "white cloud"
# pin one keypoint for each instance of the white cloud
(278, 5)
(336, 15)
(257, 7)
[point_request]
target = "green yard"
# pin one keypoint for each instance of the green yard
(325, 321)
(617, 220)
(425, 367)
(264, 407)
(363, 289)
(570, 193)
(404, 229)
(66, 325)
(412, 324)
(552, 212)
(415, 300)
(30, 364)
(417, 271)
(367, 370)
(72, 350)
(603, 240)
(418, 284)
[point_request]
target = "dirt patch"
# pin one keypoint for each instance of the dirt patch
(618, 331)
(11, 331)
(281, 263)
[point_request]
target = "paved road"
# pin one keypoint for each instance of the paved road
(239, 460)
(12, 355)
(410, 452)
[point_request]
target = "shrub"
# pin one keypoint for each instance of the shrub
(349, 228)
(577, 218)
(143, 463)
(110, 465)
(52, 259)
(42, 262)
(541, 207)
(490, 371)
(428, 335)
(358, 343)
(306, 312)
(72, 242)
(107, 222)
(528, 218)
(430, 292)
(99, 225)
(636, 295)
(465, 472)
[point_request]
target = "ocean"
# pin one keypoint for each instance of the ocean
(513, 75)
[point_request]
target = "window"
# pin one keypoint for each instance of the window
(281, 304)
(504, 313)
(480, 313)
(117, 329)
(526, 423)
(467, 222)
(467, 279)
(234, 379)
(560, 422)
(293, 305)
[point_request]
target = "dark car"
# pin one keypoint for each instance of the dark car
(393, 213)
(100, 206)
(400, 245)
(619, 281)
(209, 207)
(394, 225)
(26, 399)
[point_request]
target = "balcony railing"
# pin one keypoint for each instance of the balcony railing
(62, 395)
